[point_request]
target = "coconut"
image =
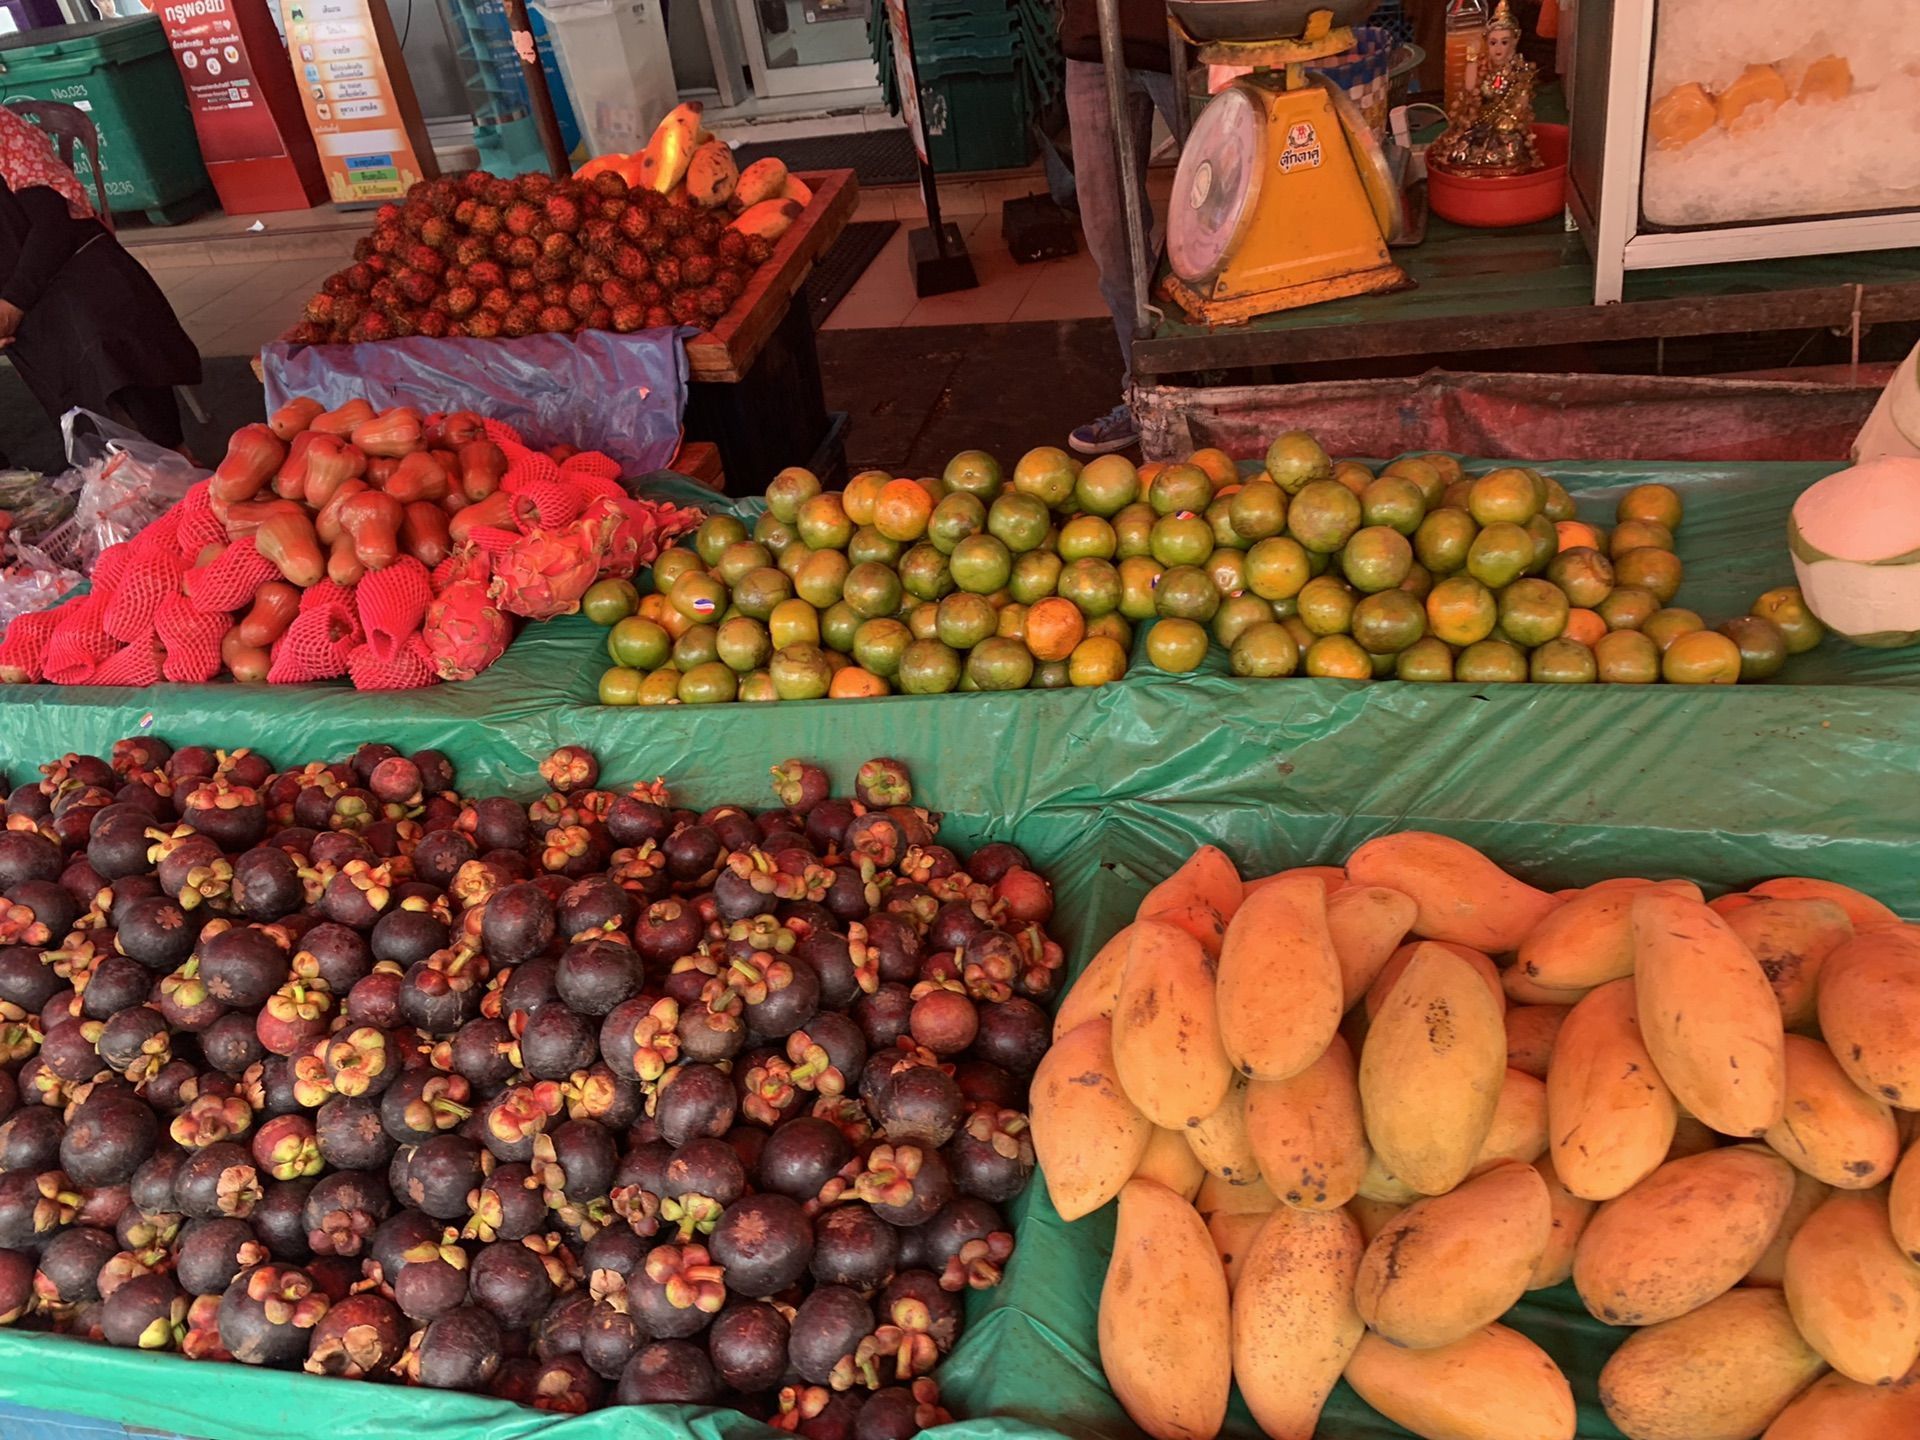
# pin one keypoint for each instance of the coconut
(1855, 540)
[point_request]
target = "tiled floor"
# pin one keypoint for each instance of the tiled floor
(235, 309)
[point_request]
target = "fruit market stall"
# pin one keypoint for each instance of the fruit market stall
(1106, 787)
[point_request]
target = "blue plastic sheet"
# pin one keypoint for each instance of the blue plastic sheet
(637, 385)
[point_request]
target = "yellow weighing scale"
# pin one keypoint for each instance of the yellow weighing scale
(1283, 197)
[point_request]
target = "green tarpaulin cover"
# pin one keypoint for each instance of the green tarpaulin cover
(1109, 789)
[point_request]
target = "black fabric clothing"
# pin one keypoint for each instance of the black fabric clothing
(1143, 33)
(153, 411)
(96, 324)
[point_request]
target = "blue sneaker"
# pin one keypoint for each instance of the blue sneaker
(1113, 431)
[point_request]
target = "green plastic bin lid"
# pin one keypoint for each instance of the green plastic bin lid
(128, 39)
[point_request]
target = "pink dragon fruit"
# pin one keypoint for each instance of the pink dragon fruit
(545, 574)
(464, 631)
(632, 533)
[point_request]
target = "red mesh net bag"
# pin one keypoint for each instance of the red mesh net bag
(147, 584)
(230, 581)
(591, 462)
(392, 602)
(327, 592)
(135, 664)
(594, 487)
(524, 467)
(545, 504)
(25, 647)
(493, 540)
(198, 526)
(404, 666)
(316, 645)
(500, 432)
(78, 644)
(192, 640)
(110, 567)
(162, 537)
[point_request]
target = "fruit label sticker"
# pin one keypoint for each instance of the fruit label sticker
(1202, 184)
(359, 99)
(1302, 150)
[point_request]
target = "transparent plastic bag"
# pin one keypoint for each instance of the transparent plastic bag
(124, 482)
(35, 583)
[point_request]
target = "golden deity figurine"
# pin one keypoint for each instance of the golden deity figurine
(1490, 130)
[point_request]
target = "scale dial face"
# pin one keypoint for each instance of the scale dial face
(1217, 186)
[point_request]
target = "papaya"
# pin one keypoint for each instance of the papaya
(1836, 1408)
(1087, 1136)
(1232, 1232)
(1863, 910)
(1852, 1292)
(1831, 1128)
(1206, 877)
(1431, 1070)
(1170, 1160)
(1519, 1129)
(1683, 1235)
(1094, 989)
(1610, 1117)
(1396, 964)
(1792, 940)
(1306, 1132)
(1372, 1215)
(1707, 1015)
(1531, 1033)
(1171, 1374)
(1449, 1265)
(1869, 1007)
(1570, 1216)
(1722, 1372)
(1294, 1322)
(1279, 989)
(712, 175)
(1770, 1270)
(796, 190)
(1220, 1140)
(1825, 80)
(1903, 1203)
(1461, 895)
(1586, 942)
(1218, 1197)
(1367, 924)
(768, 220)
(1167, 1048)
(1494, 1385)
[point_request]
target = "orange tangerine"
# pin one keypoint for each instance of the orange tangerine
(1218, 465)
(1701, 657)
(861, 494)
(1096, 660)
(1586, 626)
(902, 509)
(1577, 535)
(853, 683)
(1055, 627)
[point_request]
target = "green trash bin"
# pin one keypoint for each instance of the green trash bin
(121, 72)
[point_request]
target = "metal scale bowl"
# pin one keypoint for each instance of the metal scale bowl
(1283, 197)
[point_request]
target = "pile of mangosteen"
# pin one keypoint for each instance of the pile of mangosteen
(592, 1101)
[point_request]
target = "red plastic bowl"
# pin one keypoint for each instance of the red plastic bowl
(1493, 202)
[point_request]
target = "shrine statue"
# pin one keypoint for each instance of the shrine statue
(1490, 130)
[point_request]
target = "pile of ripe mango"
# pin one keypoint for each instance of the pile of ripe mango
(1352, 1115)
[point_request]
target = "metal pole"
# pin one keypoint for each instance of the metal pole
(544, 120)
(1113, 58)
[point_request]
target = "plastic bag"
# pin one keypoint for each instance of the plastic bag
(124, 483)
(622, 395)
(34, 584)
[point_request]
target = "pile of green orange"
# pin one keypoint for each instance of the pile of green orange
(972, 581)
(978, 582)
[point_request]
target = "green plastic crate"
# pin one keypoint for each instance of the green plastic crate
(974, 110)
(122, 74)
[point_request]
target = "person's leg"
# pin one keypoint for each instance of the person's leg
(154, 412)
(1096, 173)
